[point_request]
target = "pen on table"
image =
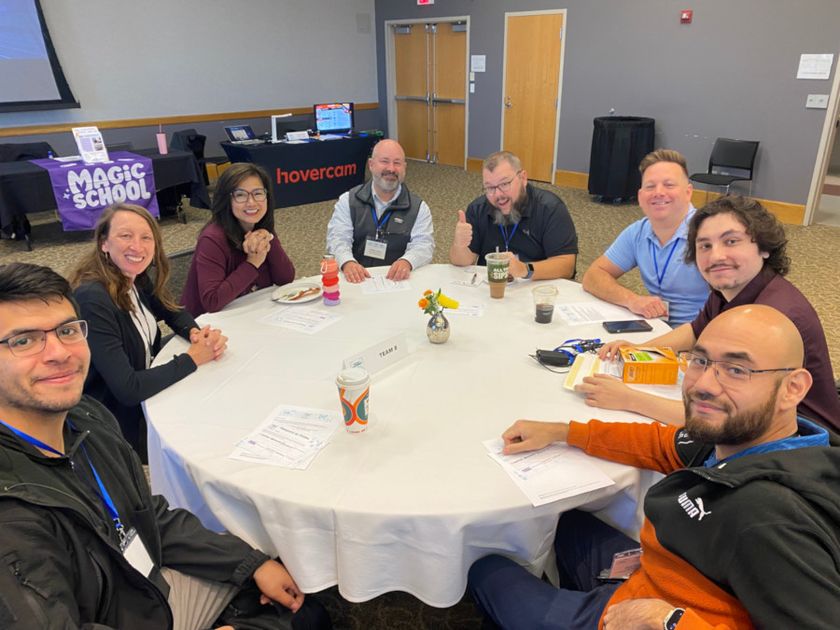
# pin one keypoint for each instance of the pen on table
(474, 278)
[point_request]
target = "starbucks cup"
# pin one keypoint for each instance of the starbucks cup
(354, 395)
(497, 273)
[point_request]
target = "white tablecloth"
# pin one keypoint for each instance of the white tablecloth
(411, 503)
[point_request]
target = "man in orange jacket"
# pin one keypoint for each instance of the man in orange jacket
(744, 529)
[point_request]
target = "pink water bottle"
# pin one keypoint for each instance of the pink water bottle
(329, 278)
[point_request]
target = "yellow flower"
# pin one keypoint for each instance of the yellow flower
(447, 302)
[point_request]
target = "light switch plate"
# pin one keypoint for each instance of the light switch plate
(817, 101)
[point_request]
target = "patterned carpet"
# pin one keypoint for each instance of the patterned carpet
(302, 229)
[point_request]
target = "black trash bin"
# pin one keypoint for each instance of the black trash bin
(618, 145)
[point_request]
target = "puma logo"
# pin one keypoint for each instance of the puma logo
(693, 507)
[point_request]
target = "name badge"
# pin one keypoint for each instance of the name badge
(376, 249)
(135, 552)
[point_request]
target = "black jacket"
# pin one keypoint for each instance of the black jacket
(118, 376)
(61, 562)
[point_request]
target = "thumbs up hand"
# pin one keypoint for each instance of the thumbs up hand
(463, 231)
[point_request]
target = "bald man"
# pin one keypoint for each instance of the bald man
(380, 222)
(744, 529)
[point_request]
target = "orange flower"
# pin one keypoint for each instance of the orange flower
(423, 303)
(427, 292)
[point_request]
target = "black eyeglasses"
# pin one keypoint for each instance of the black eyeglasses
(502, 187)
(31, 342)
(240, 195)
(726, 372)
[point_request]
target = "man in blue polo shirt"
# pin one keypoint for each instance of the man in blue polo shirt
(531, 224)
(656, 245)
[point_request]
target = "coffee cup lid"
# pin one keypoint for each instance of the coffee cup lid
(352, 376)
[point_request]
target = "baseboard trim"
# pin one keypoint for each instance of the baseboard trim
(791, 213)
(572, 179)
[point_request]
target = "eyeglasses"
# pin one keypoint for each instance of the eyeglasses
(726, 372)
(502, 188)
(31, 342)
(241, 195)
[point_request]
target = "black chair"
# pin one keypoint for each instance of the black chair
(730, 161)
(191, 140)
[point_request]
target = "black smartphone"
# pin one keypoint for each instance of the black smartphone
(630, 325)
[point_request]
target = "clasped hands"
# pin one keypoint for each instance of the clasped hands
(256, 245)
(206, 344)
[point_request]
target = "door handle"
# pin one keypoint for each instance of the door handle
(508, 104)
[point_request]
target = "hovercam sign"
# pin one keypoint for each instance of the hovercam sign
(82, 191)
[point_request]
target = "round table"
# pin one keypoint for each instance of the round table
(412, 502)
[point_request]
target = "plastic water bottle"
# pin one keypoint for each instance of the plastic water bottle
(329, 278)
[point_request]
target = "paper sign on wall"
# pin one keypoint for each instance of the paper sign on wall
(478, 63)
(814, 66)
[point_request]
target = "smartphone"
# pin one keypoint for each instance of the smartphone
(631, 325)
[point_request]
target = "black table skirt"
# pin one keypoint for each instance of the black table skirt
(26, 188)
(308, 172)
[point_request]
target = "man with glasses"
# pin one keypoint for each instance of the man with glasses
(380, 222)
(84, 543)
(744, 529)
(739, 248)
(531, 224)
(656, 246)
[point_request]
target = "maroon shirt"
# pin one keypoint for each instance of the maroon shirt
(219, 274)
(822, 403)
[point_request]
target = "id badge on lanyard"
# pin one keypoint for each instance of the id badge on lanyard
(377, 247)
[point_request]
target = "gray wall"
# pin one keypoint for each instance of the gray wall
(125, 59)
(731, 73)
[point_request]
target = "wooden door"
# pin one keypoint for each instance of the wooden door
(412, 51)
(532, 78)
(449, 78)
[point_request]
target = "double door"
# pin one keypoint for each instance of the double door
(430, 95)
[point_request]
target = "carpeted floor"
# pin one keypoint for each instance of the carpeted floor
(302, 230)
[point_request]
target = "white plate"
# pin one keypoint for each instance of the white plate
(283, 295)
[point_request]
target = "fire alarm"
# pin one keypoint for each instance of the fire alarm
(685, 16)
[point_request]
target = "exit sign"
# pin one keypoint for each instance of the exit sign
(422, 2)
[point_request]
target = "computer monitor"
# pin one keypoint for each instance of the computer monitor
(282, 124)
(333, 117)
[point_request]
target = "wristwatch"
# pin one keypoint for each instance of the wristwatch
(673, 618)
(530, 271)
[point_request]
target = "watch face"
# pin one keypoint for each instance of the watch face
(674, 619)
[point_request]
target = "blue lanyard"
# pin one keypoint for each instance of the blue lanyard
(661, 276)
(505, 236)
(107, 501)
(380, 223)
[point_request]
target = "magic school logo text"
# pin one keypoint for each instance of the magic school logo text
(100, 186)
(314, 174)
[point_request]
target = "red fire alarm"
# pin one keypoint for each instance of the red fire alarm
(685, 16)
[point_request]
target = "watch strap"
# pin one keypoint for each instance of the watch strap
(530, 271)
(673, 618)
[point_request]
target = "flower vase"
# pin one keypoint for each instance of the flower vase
(437, 330)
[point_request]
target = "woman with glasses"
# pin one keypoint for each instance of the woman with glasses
(238, 250)
(122, 303)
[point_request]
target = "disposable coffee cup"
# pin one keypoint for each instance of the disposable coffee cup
(544, 298)
(497, 273)
(354, 395)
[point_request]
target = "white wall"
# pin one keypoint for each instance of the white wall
(147, 58)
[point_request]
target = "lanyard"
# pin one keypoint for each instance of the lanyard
(380, 223)
(107, 501)
(505, 236)
(661, 276)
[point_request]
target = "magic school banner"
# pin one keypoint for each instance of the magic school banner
(82, 191)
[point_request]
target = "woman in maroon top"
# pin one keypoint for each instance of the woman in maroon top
(238, 250)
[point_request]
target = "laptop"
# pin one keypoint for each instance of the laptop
(242, 134)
